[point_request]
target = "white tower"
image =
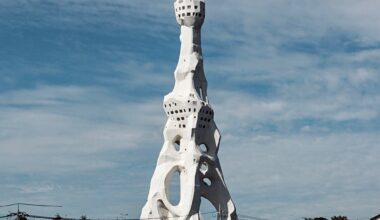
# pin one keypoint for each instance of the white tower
(191, 136)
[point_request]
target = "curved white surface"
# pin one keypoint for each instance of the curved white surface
(191, 125)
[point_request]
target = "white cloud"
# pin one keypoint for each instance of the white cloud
(302, 175)
(60, 128)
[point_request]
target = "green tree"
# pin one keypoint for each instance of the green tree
(339, 218)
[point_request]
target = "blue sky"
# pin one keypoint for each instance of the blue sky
(295, 86)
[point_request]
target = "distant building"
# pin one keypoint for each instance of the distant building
(377, 217)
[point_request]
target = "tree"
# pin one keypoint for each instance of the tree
(339, 218)
(57, 217)
(318, 218)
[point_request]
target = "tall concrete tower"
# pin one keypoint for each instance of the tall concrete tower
(191, 136)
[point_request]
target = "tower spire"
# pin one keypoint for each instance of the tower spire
(191, 126)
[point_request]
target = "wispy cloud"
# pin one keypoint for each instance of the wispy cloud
(53, 124)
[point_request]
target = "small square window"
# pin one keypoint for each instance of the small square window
(188, 14)
(196, 7)
(189, 6)
(183, 7)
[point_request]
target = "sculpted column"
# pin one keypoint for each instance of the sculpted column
(191, 136)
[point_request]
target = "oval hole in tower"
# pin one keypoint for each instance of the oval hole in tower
(203, 167)
(177, 143)
(203, 148)
(174, 192)
(207, 210)
(206, 181)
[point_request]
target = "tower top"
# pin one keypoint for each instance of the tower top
(190, 13)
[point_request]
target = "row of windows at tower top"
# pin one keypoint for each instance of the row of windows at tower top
(184, 7)
(189, 14)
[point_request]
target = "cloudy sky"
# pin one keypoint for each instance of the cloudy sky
(295, 86)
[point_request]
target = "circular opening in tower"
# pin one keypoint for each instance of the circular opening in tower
(203, 148)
